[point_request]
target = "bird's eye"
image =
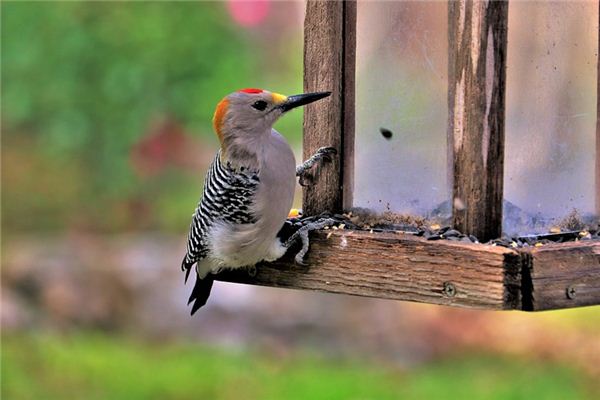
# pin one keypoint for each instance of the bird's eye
(260, 105)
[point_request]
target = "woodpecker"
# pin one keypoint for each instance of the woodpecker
(248, 189)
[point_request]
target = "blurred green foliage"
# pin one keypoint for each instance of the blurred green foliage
(99, 367)
(82, 83)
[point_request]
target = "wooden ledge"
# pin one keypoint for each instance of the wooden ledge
(561, 275)
(405, 267)
(399, 266)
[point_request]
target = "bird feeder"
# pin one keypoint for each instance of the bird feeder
(401, 266)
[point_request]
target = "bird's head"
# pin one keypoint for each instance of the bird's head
(250, 113)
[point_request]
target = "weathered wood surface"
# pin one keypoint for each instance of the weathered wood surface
(349, 104)
(477, 47)
(329, 51)
(562, 276)
(598, 121)
(402, 267)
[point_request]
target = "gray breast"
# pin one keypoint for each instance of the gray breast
(277, 182)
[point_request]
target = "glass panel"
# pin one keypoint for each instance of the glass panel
(401, 83)
(551, 112)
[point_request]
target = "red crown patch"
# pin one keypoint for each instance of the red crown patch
(251, 90)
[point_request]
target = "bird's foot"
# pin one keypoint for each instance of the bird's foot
(251, 269)
(302, 235)
(303, 170)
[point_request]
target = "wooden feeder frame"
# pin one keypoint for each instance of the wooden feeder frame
(401, 266)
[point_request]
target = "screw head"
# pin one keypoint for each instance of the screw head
(571, 292)
(449, 289)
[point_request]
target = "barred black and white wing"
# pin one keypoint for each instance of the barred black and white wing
(228, 195)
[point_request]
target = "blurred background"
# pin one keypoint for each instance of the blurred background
(106, 133)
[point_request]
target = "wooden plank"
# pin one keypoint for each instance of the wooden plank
(329, 37)
(348, 111)
(562, 276)
(399, 266)
(477, 36)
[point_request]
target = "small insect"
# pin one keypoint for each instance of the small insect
(386, 133)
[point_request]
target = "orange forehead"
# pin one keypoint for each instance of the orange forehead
(219, 115)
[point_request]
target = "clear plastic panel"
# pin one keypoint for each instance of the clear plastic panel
(551, 112)
(401, 83)
(401, 86)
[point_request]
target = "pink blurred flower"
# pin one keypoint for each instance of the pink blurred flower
(248, 13)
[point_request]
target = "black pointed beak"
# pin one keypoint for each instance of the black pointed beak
(302, 100)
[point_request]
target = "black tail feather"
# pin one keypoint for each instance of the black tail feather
(201, 292)
(187, 267)
(187, 275)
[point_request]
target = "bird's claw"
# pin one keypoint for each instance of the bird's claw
(251, 271)
(306, 179)
(302, 235)
(327, 152)
(322, 154)
(299, 260)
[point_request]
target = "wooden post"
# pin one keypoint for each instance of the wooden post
(477, 32)
(348, 111)
(329, 53)
(598, 123)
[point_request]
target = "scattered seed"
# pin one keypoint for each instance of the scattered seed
(451, 233)
(555, 229)
(335, 227)
(326, 228)
(329, 235)
(538, 244)
(435, 227)
(342, 226)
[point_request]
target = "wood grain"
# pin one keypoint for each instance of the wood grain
(329, 51)
(598, 121)
(349, 104)
(556, 269)
(476, 97)
(399, 266)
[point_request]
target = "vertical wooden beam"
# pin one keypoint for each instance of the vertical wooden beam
(598, 122)
(477, 36)
(450, 130)
(348, 111)
(329, 51)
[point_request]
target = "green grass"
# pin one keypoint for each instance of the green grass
(101, 367)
